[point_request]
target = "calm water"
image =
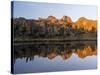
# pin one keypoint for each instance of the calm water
(47, 57)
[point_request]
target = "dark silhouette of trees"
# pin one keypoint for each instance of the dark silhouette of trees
(47, 28)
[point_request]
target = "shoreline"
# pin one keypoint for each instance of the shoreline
(50, 40)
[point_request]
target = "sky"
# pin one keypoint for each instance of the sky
(34, 10)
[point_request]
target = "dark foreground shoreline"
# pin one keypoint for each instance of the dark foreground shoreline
(45, 41)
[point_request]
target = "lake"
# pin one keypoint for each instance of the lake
(54, 56)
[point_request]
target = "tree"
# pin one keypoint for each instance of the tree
(23, 30)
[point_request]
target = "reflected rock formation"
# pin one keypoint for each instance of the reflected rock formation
(50, 51)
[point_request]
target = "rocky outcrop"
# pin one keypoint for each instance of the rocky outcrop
(86, 24)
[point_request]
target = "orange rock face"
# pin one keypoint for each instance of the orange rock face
(64, 21)
(51, 20)
(81, 23)
(86, 24)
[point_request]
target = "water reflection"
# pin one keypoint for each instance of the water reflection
(51, 50)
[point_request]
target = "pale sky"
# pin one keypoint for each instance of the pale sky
(34, 10)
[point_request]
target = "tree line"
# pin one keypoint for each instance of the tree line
(32, 28)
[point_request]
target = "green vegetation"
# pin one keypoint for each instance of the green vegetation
(30, 29)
